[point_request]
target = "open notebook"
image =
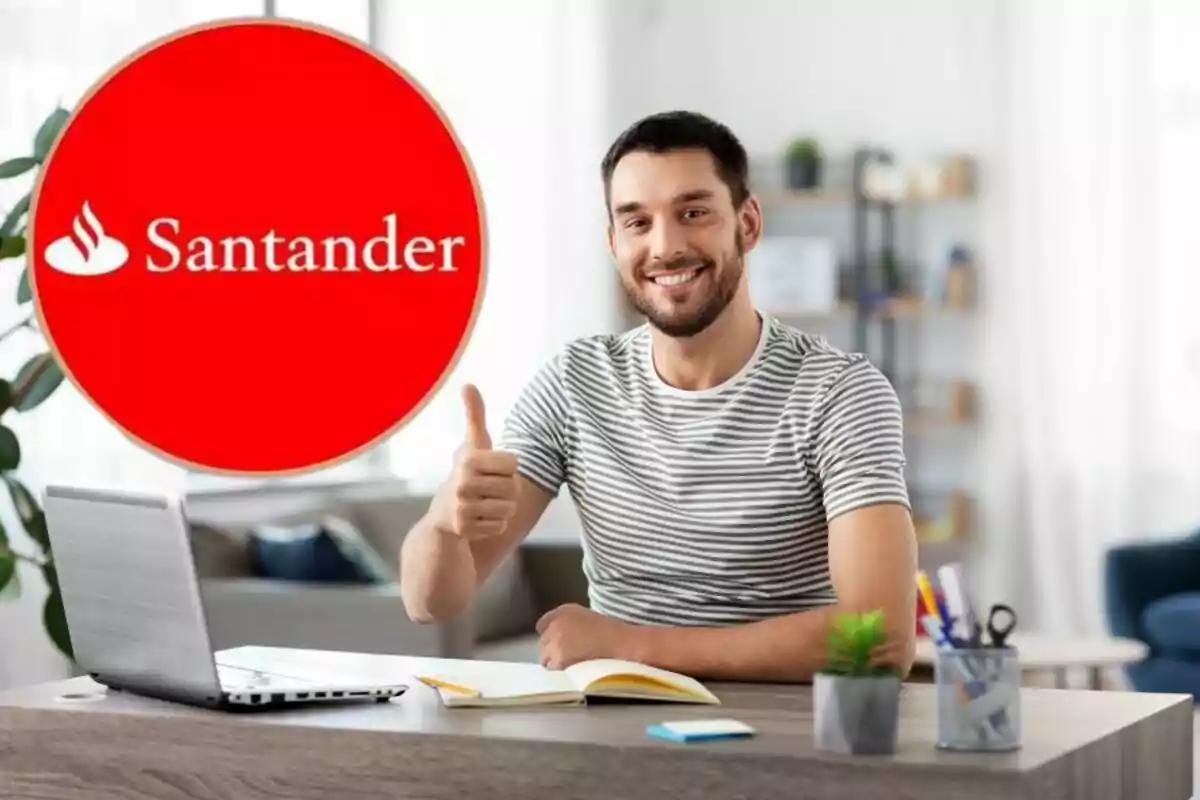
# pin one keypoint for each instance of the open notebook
(490, 684)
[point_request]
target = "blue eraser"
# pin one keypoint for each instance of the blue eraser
(695, 730)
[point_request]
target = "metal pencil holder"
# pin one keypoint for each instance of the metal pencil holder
(978, 699)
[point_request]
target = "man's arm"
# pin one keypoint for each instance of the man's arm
(440, 570)
(872, 563)
(490, 502)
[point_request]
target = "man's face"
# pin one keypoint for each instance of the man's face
(677, 239)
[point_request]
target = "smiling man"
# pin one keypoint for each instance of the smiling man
(739, 481)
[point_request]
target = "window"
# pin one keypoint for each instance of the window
(351, 17)
(532, 120)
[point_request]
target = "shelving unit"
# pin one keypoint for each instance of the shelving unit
(880, 306)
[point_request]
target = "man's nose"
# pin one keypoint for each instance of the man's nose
(667, 243)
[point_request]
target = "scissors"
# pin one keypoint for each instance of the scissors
(998, 634)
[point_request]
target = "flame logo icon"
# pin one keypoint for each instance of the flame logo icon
(92, 252)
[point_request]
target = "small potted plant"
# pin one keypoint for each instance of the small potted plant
(856, 705)
(804, 164)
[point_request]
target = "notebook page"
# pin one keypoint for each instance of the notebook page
(501, 680)
(586, 673)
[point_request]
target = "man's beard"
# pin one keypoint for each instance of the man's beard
(726, 276)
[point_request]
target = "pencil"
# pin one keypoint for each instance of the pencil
(438, 683)
(931, 606)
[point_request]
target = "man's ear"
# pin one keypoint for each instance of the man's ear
(612, 250)
(751, 220)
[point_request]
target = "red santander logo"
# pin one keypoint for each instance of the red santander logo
(257, 247)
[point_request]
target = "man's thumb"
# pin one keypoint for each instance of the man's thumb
(477, 435)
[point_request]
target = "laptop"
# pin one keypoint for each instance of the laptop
(136, 615)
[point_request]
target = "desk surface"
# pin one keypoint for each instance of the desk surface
(1076, 744)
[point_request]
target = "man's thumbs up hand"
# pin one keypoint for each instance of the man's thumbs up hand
(481, 495)
(477, 435)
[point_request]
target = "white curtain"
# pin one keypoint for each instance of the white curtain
(523, 84)
(1092, 333)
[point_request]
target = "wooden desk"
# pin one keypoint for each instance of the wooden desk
(1096, 745)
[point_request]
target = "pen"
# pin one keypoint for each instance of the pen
(957, 601)
(927, 597)
(438, 683)
(943, 643)
(947, 620)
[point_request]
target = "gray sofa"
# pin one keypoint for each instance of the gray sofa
(245, 609)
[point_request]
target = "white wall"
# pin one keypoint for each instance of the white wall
(908, 73)
(920, 77)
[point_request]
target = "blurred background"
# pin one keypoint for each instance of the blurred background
(994, 199)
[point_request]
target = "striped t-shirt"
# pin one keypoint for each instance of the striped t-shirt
(709, 507)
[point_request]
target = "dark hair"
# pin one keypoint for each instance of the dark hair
(683, 130)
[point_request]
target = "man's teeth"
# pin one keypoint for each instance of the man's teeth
(676, 279)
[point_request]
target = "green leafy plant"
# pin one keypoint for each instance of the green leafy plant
(853, 640)
(802, 161)
(804, 149)
(34, 382)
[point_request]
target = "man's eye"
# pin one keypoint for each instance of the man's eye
(635, 223)
(695, 212)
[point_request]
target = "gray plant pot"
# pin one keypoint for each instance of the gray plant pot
(856, 716)
(803, 173)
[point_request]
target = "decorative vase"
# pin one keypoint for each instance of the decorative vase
(856, 716)
(803, 172)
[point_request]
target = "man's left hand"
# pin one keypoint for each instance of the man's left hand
(572, 633)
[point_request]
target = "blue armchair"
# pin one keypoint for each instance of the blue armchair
(1152, 594)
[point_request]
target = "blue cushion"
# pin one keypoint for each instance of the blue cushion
(1142, 571)
(1172, 624)
(311, 552)
(1169, 675)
